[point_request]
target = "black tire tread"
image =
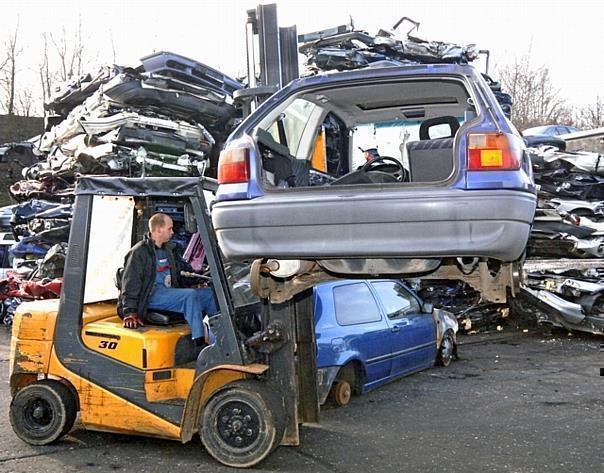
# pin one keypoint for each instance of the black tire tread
(274, 409)
(55, 392)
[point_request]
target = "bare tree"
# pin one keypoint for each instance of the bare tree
(44, 71)
(592, 116)
(25, 103)
(70, 53)
(536, 100)
(9, 70)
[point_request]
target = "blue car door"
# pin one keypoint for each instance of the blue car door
(412, 333)
(362, 330)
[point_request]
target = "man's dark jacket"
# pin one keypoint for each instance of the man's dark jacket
(138, 277)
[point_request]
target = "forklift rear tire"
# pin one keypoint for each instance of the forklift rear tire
(43, 412)
(242, 423)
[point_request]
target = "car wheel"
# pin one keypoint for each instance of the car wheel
(43, 412)
(446, 350)
(242, 424)
(341, 392)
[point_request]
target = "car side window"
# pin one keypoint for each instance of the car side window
(291, 123)
(397, 301)
(355, 304)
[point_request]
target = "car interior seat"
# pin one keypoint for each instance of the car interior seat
(431, 160)
(278, 161)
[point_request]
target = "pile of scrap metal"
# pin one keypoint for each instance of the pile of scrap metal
(166, 117)
(169, 116)
(459, 298)
(344, 48)
(40, 229)
(564, 283)
(14, 290)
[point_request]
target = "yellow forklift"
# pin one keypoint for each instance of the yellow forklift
(244, 394)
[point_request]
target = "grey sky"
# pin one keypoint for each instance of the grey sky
(568, 37)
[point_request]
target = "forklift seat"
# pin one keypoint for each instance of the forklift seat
(164, 317)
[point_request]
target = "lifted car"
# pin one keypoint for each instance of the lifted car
(376, 171)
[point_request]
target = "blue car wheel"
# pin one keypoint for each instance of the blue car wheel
(446, 350)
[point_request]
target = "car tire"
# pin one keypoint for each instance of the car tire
(242, 423)
(446, 351)
(43, 412)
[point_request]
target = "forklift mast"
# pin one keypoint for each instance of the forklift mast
(272, 57)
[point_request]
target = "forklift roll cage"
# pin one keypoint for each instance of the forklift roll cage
(68, 343)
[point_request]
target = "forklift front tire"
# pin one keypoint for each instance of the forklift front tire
(242, 424)
(43, 412)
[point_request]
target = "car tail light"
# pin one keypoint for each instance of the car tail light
(234, 166)
(493, 152)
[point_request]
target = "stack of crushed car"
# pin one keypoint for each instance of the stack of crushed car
(344, 48)
(167, 117)
(564, 284)
(163, 118)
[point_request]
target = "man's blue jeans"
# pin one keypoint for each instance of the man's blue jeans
(193, 303)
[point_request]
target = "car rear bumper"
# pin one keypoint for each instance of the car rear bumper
(387, 224)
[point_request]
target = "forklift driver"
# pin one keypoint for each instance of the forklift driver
(151, 280)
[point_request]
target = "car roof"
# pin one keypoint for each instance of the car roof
(539, 130)
(344, 282)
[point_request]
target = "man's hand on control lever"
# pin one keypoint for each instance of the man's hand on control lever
(133, 321)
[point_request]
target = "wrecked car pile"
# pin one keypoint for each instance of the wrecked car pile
(163, 118)
(568, 229)
(166, 117)
(459, 298)
(344, 48)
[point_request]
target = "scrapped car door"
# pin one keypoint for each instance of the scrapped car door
(412, 333)
(350, 326)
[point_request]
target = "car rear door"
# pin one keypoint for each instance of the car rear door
(361, 331)
(412, 333)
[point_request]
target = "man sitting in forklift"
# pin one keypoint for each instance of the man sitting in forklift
(151, 280)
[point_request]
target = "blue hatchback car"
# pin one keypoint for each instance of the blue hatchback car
(371, 332)
(360, 171)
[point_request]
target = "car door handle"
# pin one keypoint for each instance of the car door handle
(395, 329)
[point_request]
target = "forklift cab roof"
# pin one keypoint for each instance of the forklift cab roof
(143, 187)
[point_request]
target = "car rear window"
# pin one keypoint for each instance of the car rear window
(397, 301)
(355, 304)
(326, 137)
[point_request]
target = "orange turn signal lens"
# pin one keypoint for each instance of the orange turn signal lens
(493, 152)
